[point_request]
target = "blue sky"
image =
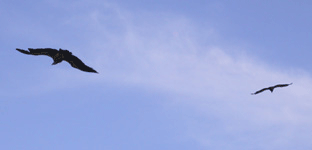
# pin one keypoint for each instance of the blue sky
(172, 75)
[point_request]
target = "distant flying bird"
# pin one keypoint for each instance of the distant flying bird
(58, 56)
(271, 88)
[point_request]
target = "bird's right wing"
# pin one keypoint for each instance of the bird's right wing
(23, 51)
(39, 51)
(260, 91)
(43, 51)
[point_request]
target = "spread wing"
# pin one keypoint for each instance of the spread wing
(282, 85)
(77, 63)
(260, 91)
(23, 51)
(40, 51)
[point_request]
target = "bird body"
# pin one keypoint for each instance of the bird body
(271, 88)
(58, 56)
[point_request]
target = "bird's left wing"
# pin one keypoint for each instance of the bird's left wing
(77, 63)
(282, 85)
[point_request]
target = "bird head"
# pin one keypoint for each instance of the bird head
(65, 52)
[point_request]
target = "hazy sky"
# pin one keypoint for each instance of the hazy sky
(173, 75)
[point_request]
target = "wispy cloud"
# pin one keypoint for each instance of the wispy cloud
(167, 52)
(163, 51)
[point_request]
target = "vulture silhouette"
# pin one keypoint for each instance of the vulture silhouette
(58, 56)
(271, 88)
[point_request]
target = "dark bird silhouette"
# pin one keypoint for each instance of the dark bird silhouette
(271, 88)
(58, 56)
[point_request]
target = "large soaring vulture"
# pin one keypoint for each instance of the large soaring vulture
(58, 56)
(271, 88)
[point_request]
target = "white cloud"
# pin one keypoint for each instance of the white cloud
(164, 52)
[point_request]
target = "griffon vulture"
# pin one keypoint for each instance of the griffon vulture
(271, 88)
(58, 56)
